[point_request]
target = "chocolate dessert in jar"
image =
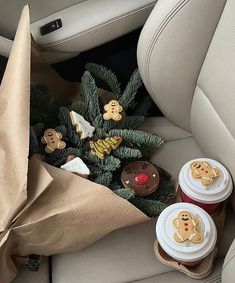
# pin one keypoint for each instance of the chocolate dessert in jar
(206, 183)
(186, 233)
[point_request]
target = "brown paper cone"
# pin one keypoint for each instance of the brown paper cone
(70, 214)
(14, 121)
(44, 210)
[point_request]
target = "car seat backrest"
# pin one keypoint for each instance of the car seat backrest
(213, 106)
(171, 50)
(186, 57)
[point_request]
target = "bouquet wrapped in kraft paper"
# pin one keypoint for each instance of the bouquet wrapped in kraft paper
(44, 210)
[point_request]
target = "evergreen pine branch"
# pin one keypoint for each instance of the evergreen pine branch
(99, 134)
(163, 173)
(127, 194)
(80, 108)
(95, 171)
(43, 108)
(109, 163)
(36, 132)
(137, 137)
(108, 125)
(89, 92)
(34, 144)
(151, 208)
(104, 179)
(165, 191)
(124, 152)
(105, 75)
(144, 106)
(114, 185)
(73, 136)
(39, 130)
(62, 130)
(59, 157)
(131, 89)
(131, 122)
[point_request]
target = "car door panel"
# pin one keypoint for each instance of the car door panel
(85, 24)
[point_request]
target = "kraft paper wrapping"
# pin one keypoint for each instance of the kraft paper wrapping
(44, 210)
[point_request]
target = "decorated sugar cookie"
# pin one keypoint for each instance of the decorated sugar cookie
(102, 147)
(76, 166)
(82, 126)
(113, 110)
(187, 228)
(202, 170)
(140, 176)
(53, 140)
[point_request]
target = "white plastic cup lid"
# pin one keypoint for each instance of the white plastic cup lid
(186, 251)
(219, 190)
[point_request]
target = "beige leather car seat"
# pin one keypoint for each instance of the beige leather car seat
(186, 56)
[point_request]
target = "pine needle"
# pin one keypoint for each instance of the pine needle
(131, 89)
(90, 95)
(125, 193)
(109, 163)
(124, 152)
(105, 75)
(131, 122)
(139, 138)
(104, 179)
(144, 106)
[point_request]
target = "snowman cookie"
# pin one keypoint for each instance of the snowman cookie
(187, 228)
(202, 170)
(113, 110)
(53, 140)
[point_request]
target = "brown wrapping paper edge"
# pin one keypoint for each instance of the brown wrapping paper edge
(44, 210)
(14, 120)
(61, 218)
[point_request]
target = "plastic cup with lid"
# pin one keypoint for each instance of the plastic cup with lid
(186, 250)
(207, 197)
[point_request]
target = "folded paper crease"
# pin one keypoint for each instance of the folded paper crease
(44, 210)
(14, 121)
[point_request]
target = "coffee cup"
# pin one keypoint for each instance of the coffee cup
(186, 232)
(206, 183)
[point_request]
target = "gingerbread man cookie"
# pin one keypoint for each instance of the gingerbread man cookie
(187, 227)
(53, 140)
(202, 170)
(82, 126)
(113, 110)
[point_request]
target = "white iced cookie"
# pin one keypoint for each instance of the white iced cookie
(76, 166)
(82, 126)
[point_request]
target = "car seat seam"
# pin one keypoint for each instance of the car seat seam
(98, 26)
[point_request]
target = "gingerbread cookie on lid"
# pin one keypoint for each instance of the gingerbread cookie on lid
(140, 176)
(202, 170)
(187, 228)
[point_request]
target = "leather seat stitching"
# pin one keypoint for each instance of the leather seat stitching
(172, 13)
(227, 128)
(227, 262)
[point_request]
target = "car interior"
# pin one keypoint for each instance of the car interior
(185, 53)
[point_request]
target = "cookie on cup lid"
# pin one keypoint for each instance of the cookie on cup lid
(205, 182)
(186, 233)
